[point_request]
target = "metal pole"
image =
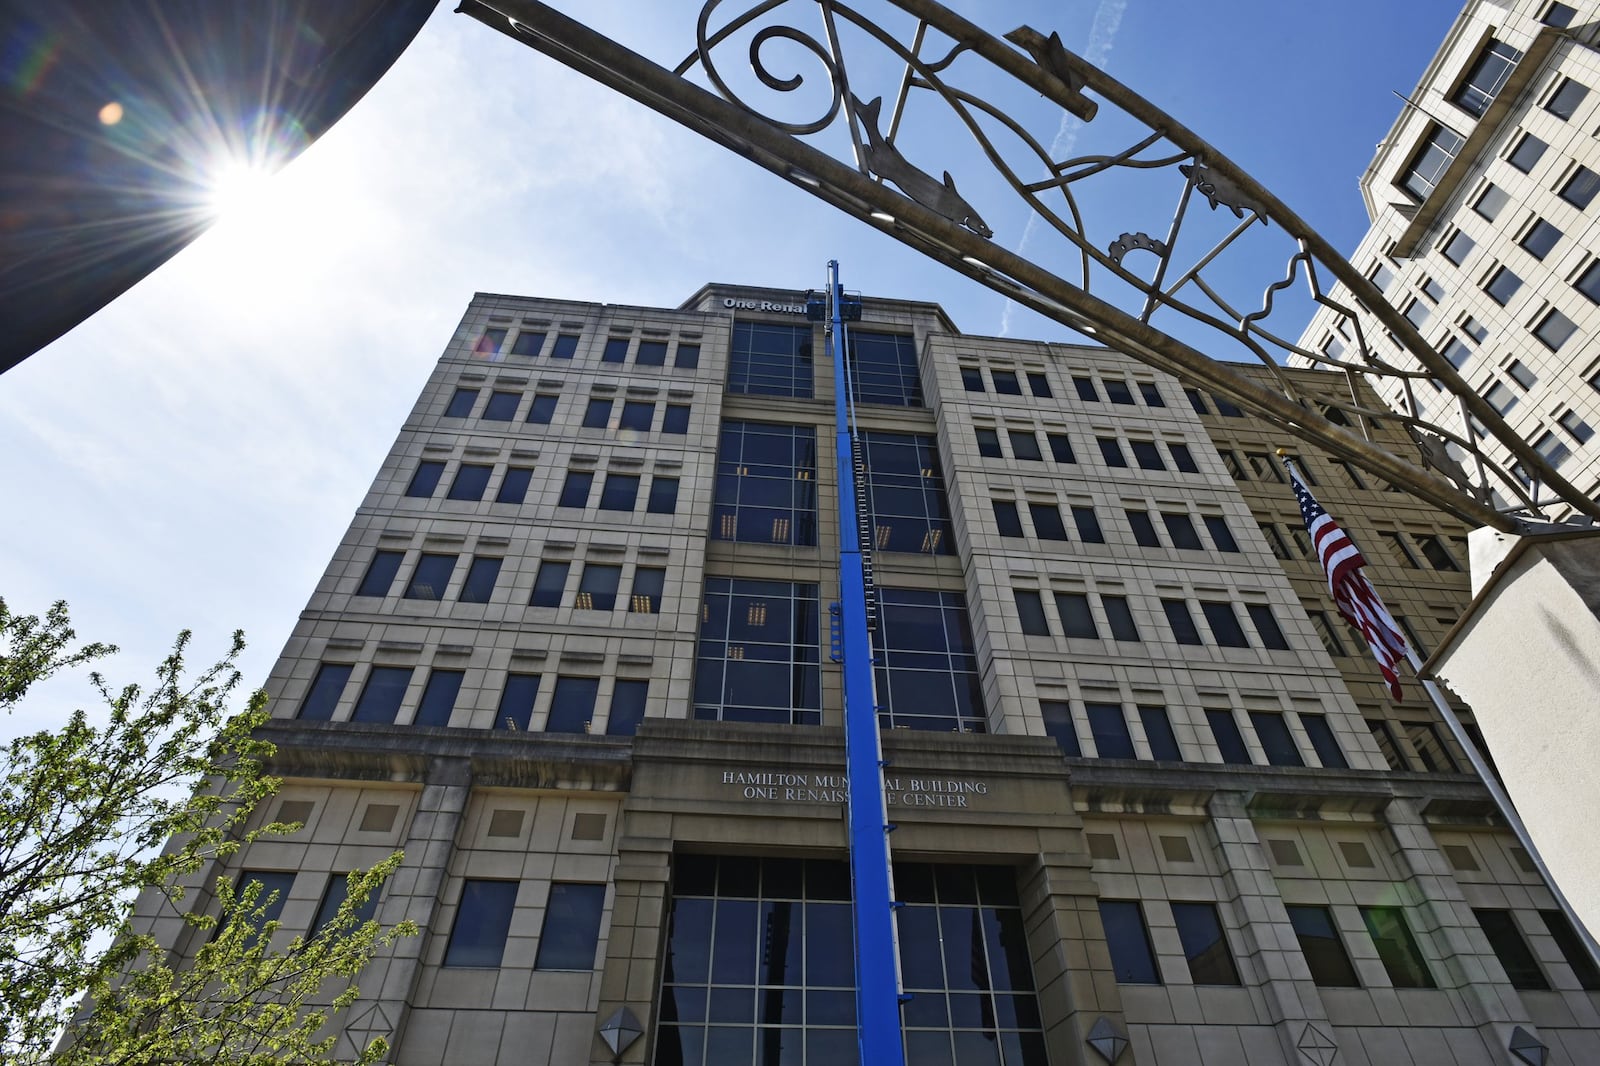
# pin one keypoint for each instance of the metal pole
(872, 884)
(1507, 810)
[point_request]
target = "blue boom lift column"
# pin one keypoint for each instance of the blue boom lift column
(872, 880)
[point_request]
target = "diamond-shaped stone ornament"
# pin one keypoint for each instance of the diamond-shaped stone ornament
(1317, 1046)
(620, 1030)
(1107, 1040)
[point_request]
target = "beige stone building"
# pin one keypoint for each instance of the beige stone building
(573, 656)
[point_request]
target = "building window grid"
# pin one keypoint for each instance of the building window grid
(766, 489)
(884, 368)
(1486, 78)
(759, 656)
(927, 666)
(769, 359)
(905, 493)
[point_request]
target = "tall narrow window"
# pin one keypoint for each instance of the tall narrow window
(1267, 627)
(1397, 948)
(1109, 727)
(1060, 447)
(1085, 388)
(380, 574)
(1181, 621)
(326, 689)
(515, 711)
(1205, 944)
(1221, 535)
(426, 480)
(663, 495)
(1323, 741)
(989, 443)
(481, 577)
(1144, 530)
(337, 892)
(571, 929)
(1111, 451)
(1058, 725)
(676, 419)
(1230, 742)
(597, 589)
(549, 584)
(1006, 518)
(1133, 960)
(884, 368)
(439, 697)
(572, 705)
(575, 490)
(381, 695)
(1431, 160)
(1039, 385)
(766, 488)
(1522, 969)
(1158, 732)
(1572, 949)
(1076, 619)
(648, 583)
(1486, 78)
(483, 919)
(1088, 524)
(1224, 623)
(628, 700)
(1183, 458)
(1276, 740)
(1030, 611)
(1323, 949)
(431, 577)
(687, 357)
(1120, 617)
(514, 486)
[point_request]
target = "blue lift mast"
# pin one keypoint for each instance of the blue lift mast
(872, 879)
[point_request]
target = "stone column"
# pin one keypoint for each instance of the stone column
(634, 946)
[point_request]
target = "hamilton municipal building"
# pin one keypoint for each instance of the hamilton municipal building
(1154, 806)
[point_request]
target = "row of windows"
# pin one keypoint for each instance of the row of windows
(434, 571)
(602, 412)
(1108, 729)
(619, 492)
(491, 344)
(1046, 518)
(771, 359)
(1024, 445)
(1005, 382)
(1197, 400)
(385, 695)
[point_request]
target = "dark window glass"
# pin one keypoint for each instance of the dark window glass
(651, 353)
(1111, 451)
(1276, 742)
(597, 589)
(1181, 531)
(1076, 618)
(759, 656)
(1224, 623)
(481, 576)
(439, 697)
(1572, 949)
(1006, 518)
(905, 493)
(1152, 395)
(1267, 627)
(1458, 354)
(1522, 969)
(1432, 158)
(1204, 944)
(1579, 189)
(687, 357)
(1117, 391)
(884, 368)
(483, 918)
(431, 577)
(1397, 948)
(770, 360)
(1230, 742)
(1120, 617)
(597, 415)
(426, 480)
(1147, 455)
(1057, 716)
(1197, 401)
(648, 583)
(470, 481)
(543, 409)
(766, 488)
(1132, 959)
(1030, 609)
(1025, 445)
(1221, 535)
(1383, 736)
(381, 695)
(575, 490)
(549, 584)
(332, 899)
(461, 403)
(1433, 550)
(972, 379)
(1540, 239)
(572, 705)
(1502, 285)
(1144, 530)
(380, 573)
(516, 702)
(1060, 447)
(1527, 153)
(1047, 521)
(620, 492)
(1006, 383)
(1564, 102)
(1427, 742)
(566, 346)
(1086, 389)
(1486, 78)
(1322, 739)
(1491, 202)
(1109, 727)
(529, 344)
(1558, 15)
(1458, 247)
(1323, 949)
(1183, 458)
(514, 488)
(676, 420)
(1158, 731)
(637, 415)
(502, 406)
(1522, 375)
(628, 700)
(267, 905)
(989, 444)
(927, 667)
(1088, 524)
(325, 691)
(616, 350)
(663, 495)
(1181, 621)
(1554, 330)
(1039, 385)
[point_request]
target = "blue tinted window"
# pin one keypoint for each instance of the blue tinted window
(271, 892)
(431, 577)
(1180, 528)
(1047, 521)
(1183, 458)
(566, 346)
(597, 415)
(1117, 391)
(637, 415)
(905, 493)
(676, 420)
(1060, 447)
(1030, 611)
(1224, 623)
(1088, 524)
(325, 691)
(770, 360)
(1007, 519)
(766, 488)
(989, 444)
(648, 583)
(514, 489)
(1158, 731)
(528, 344)
(483, 918)
(572, 705)
(1085, 388)
(502, 406)
(471, 480)
(1181, 621)
(543, 409)
(652, 353)
(516, 702)
(549, 585)
(1109, 726)
(1273, 733)
(759, 655)
(381, 695)
(1323, 740)
(616, 350)
(461, 403)
(1221, 535)
(426, 479)
(380, 573)
(1057, 715)
(338, 891)
(597, 589)
(1006, 383)
(571, 927)
(1323, 950)
(1144, 530)
(481, 576)
(1205, 945)
(1132, 959)
(1076, 618)
(439, 697)
(575, 490)
(1267, 627)
(1230, 742)
(1024, 445)
(620, 492)
(627, 708)
(687, 357)
(663, 495)
(1039, 385)
(1120, 617)
(927, 667)
(884, 368)
(1111, 451)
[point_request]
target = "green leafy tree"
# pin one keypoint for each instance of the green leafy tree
(143, 795)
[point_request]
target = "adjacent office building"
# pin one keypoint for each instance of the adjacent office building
(574, 655)
(1482, 200)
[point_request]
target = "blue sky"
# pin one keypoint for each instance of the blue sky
(191, 456)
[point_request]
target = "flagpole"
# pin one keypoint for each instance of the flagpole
(1508, 811)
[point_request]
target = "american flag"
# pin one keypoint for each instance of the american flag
(1354, 595)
